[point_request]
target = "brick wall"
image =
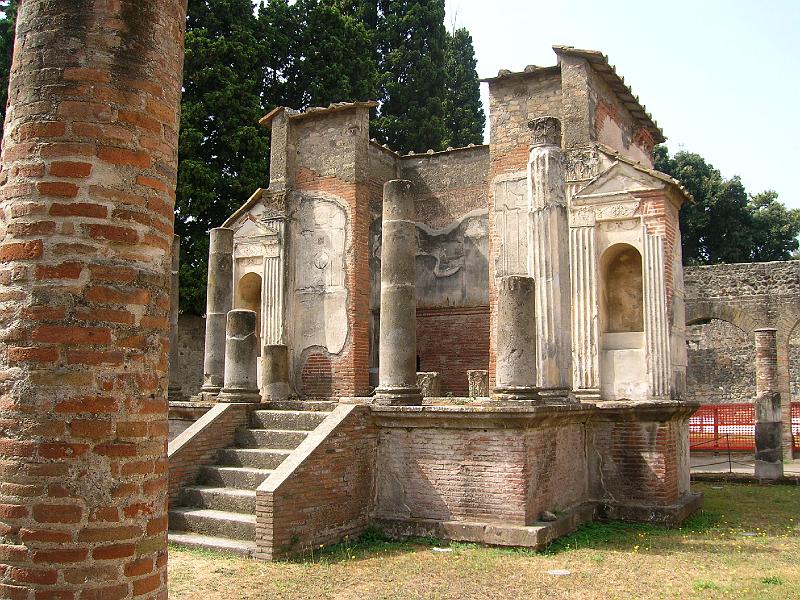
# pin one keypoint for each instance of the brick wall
(492, 468)
(323, 491)
(86, 206)
(198, 445)
(637, 462)
(452, 342)
(344, 175)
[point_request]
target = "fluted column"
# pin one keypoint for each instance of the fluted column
(656, 325)
(585, 338)
(241, 358)
(397, 374)
(548, 262)
(515, 368)
(174, 390)
(769, 449)
(219, 300)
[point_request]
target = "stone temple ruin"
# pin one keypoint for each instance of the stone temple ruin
(482, 344)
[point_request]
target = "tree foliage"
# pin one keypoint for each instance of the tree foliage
(223, 151)
(464, 117)
(725, 224)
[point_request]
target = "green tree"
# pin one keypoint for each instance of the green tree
(411, 40)
(464, 117)
(8, 8)
(223, 152)
(775, 228)
(332, 58)
(724, 224)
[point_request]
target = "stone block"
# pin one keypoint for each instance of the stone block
(430, 383)
(478, 380)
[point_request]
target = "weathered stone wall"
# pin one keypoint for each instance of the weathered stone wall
(748, 296)
(329, 280)
(89, 168)
(191, 338)
(451, 264)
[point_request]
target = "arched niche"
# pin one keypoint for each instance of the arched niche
(623, 363)
(622, 294)
(248, 296)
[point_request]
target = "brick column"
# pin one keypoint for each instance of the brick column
(769, 451)
(86, 215)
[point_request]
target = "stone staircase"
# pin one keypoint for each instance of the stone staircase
(219, 511)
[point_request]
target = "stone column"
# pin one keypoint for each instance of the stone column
(275, 373)
(516, 341)
(241, 358)
(769, 450)
(656, 320)
(219, 300)
(585, 336)
(89, 167)
(548, 259)
(174, 390)
(397, 375)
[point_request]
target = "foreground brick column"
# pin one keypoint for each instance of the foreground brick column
(769, 450)
(86, 214)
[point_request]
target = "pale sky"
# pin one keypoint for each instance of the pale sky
(720, 77)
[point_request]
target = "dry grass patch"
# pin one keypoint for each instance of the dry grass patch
(745, 544)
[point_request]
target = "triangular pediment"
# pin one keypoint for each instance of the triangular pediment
(620, 179)
(248, 227)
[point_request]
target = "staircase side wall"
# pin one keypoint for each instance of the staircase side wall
(198, 445)
(322, 493)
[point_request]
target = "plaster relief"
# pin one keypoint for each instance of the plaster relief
(511, 219)
(320, 315)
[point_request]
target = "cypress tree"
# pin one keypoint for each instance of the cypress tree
(411, 40)
(464, 117)
(223, 152)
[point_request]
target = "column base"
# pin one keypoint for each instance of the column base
(557, 396)
(242, 396)
(589, 395)
(768, 471)
(398, 396)
(275, 392)
(174, 393)
(516, 394)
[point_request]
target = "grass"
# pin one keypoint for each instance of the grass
(745, 544)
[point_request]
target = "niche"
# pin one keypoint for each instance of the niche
(622, 290)
(248, 296)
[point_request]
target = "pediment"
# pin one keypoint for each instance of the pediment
(250, 228)
(619, 179)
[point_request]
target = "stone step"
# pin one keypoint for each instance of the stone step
(206, 542)
(233, 477)
(256, 458)
(217, 523)
(219, 498)
(269, 438)
(303, 405)
(297, 420)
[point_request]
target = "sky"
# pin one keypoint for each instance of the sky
(720, 77)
